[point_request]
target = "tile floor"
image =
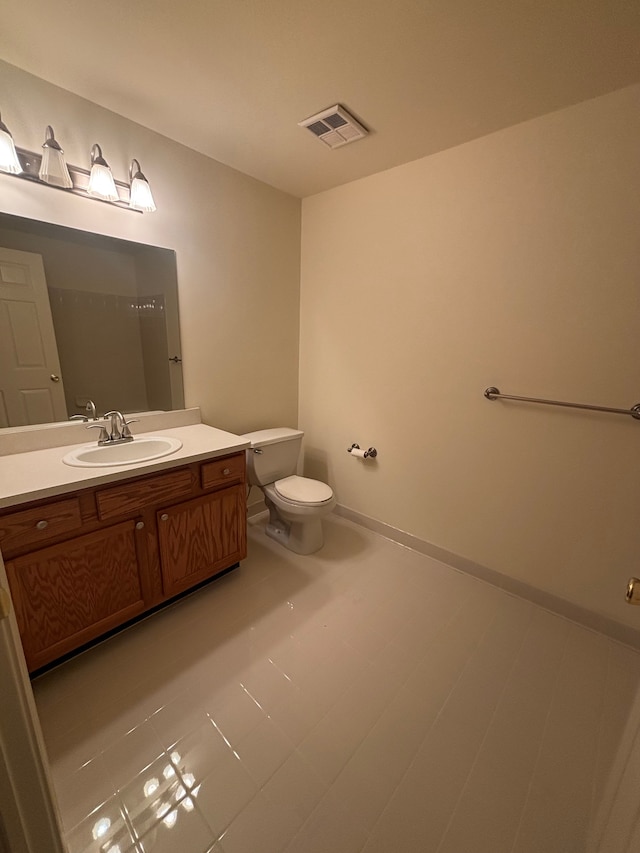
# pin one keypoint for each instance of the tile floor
(361, 700)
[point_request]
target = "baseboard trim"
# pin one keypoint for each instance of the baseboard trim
(560, 606)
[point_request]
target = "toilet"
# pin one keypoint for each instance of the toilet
(296, 504)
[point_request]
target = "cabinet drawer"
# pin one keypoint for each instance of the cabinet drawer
(130, 497)
(222, 471)
(33, 526)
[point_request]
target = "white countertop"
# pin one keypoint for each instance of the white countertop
(39, 474)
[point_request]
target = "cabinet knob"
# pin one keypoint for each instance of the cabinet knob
(164, 517)
(140, 525)
(226, 471)
(42, 525)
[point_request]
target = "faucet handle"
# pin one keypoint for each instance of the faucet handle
(126, 432)
(103, 438)
(79, 418)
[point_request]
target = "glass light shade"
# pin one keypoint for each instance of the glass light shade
(101, 183)
(8, 156)
(53, 169)
(140, 197)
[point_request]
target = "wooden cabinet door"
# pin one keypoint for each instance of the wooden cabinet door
(70, 593)
(201, 537)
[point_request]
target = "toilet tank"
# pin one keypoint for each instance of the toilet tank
(279, 457)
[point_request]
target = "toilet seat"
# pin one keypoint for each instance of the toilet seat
(303, 490)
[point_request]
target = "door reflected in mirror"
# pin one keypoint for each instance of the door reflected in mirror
(84, 317)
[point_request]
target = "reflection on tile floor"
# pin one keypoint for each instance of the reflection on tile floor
(361, 700)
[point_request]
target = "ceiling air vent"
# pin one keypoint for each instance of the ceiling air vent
(334, 127)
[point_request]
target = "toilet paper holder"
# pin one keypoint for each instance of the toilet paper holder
(371, 453)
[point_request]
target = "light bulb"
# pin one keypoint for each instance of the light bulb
(8, 155)
(140, 197)
(101, 183)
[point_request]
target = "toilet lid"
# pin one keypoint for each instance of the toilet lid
(303, 490)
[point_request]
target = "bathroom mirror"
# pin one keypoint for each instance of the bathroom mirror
(84, 317)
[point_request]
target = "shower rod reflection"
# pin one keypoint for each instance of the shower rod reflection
(495, 394)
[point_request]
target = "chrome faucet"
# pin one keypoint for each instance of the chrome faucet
(118, 428)
(91, 409)
(117, 424)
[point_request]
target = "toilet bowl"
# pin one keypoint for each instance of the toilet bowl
(296, 504)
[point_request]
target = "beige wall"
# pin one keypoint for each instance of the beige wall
(510, 261)
(237, 242)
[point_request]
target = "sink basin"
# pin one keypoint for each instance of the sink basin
(127, 453)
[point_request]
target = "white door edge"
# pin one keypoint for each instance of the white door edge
(29, 818)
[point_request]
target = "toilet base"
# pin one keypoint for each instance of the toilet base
(301, 537)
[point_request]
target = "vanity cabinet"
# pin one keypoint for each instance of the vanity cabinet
(72, 592)
(198, 537)
(84, 564)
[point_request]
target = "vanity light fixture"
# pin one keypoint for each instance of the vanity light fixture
(53, 169)
(140, 197)
(101, 183)
(8, 155)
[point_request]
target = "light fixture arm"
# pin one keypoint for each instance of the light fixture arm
(50, 141)
(137, 173)
(96, 156)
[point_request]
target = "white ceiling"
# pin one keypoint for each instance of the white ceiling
(232, 78)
